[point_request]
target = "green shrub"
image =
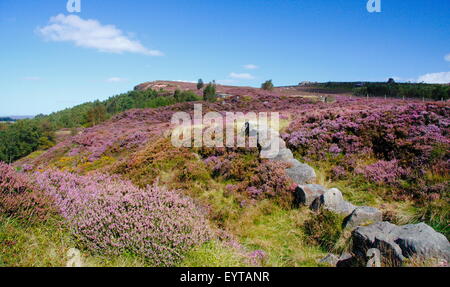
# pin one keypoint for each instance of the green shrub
(209, 94)
(194, 171)
(267, 85)
(213, 254)
(200, 84)
(324, 229)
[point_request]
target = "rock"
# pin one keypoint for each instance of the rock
(346, 260)
(399, 242)
(300, 173)
(253, 129)
(333, 200)
(330, 259)
(74, 256)
(281, 155)
(380, 235)
(422, 240)
(250, 129)
(272, 142)
(363, 215)
(306, 194)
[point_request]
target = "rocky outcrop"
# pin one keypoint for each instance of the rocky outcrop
(300, 173)
(330, 259)
(273, 147)
(333, 200)
(396, 243)
(270, 143)
(347, 260)
(281, 155)
(363, 215)
(306, 194)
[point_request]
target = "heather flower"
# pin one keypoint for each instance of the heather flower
(382, 172)
(11, 180)
(253, 192)
(18, 200)
(338, 172)
(27, 167)
(335, 149)
(257, 257)
(112, 216)
(407, 139)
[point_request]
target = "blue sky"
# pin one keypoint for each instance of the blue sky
(51, 59)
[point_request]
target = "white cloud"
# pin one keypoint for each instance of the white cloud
(447, 57)
(226, 82)
(243, 76)
(251, 67)
(91, 34)
(116, 80)
(435, 78)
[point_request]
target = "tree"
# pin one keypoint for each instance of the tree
(267, 85)
(96, 114)
(200, 84)
(209, 94)
(391, 81)
(19, 140)
(177, 95)
(439, 93)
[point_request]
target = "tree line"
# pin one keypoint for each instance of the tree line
(390, 88)
(403, 90)
(23, 137)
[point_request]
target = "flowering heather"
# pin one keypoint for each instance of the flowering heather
(271, 180)
(254, 179)
(112, 216)
(17, 198)
(389, 131)
(125, 133)
(413, 137)
(232, 165)
(254, 258)
(257, 257)
(383, 172)
(11, 180)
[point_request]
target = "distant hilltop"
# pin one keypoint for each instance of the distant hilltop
(7, 119)
(14, 118)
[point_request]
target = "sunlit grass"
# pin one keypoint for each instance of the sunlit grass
(213, 254)
(46, 245)
(277, 232)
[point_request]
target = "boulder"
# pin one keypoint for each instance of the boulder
(363, 215)
(380, 235)
(422, 240)
(346, 260)
(333, 200)
(306, 194)
(250, 129)
(399, 242)
(267, 144)
(330, 259)
(281, 155)
(262, 131)
(300, 173)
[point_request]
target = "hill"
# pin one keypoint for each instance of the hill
(233, 208)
